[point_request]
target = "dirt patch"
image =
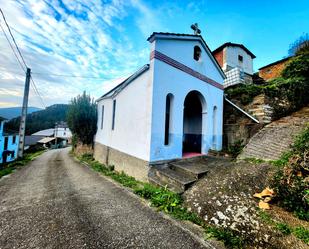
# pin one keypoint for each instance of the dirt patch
(81, 149)
(224, 198)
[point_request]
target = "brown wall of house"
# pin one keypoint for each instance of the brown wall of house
(273, 71)
(219, 57)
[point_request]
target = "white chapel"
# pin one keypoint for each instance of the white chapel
(170, 108)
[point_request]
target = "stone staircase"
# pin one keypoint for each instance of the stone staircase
(275, 138)
(179, 175)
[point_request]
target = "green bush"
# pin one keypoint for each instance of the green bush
(244, 93)
(286, 94)
(290, 182)
(82, 118)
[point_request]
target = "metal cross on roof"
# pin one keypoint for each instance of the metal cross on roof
(195, 28)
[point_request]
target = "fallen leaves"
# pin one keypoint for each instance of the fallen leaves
(265, 196)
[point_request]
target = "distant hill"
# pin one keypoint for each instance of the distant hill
(13, 112)
(40, 120)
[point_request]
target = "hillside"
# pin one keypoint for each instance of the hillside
(40, 120)
(13, 112)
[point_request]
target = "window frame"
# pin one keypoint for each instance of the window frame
(168, 118)
(102, 117)
(114, 114)
(197, 49)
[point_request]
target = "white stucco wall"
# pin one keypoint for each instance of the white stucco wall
(132, 129)
(182, 51)
(231, 59)
(167, 80)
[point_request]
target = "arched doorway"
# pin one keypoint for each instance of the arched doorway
(194, 105)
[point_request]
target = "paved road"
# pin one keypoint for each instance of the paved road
(57, 203)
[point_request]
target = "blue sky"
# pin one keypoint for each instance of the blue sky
(107, 39)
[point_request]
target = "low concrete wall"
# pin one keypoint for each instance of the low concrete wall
(132, 166)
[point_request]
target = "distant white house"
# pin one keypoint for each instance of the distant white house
(8, 145)
(170, 108)
(59, 132)
(237, 63)
(58, 136)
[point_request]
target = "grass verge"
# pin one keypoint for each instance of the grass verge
(299, 231)
(164, 200)
(10, 167)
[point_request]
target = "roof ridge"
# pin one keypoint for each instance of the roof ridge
(236, 45)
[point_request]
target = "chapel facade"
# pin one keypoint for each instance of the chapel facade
(169, 109)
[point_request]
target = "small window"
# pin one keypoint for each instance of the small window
(197, 53)
(14, 139)
(240, 58)
(102, 117)
(114, 110)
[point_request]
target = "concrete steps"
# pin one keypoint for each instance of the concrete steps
(181, 174)
(274, 139)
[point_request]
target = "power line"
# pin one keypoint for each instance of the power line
(21, 56)
(71, 76)
(37, 92)
(21, 65)
(13, 38)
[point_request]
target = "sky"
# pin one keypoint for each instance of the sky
(72, 46)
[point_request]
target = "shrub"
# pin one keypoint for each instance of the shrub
(291, 181)
(287, 93)
(244, 93)
(82, 118)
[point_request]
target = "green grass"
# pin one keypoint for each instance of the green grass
(283, 228)
(163, 200)
(254, 160)
(10, 167)
(230, 239)
(283, 160)
(302, 233)
(265, 217)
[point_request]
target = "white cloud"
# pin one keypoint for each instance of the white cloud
(84, 38)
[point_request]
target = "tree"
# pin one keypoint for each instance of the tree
(301, 45)
(82, 118)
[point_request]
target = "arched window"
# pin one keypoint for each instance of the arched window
(197, 53)
(114, 113)
(102, 117)
(168, 111)
(214, 128)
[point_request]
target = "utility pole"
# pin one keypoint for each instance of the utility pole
(56, 131)
(22, 126)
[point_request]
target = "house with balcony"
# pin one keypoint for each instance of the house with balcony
(237, 63)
